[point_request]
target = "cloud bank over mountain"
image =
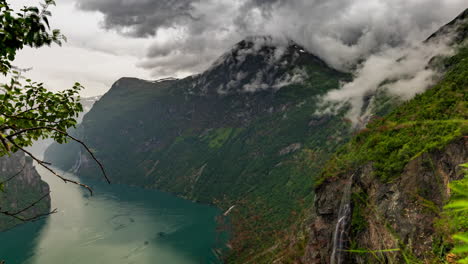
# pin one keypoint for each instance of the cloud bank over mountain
(399, 71)
(190, 34)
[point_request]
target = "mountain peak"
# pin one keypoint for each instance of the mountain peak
(266, 46)
(257, 63)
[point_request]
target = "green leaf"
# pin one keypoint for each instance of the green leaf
(461, 237)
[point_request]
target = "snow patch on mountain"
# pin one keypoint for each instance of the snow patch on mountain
(255, 64)
(297, 76)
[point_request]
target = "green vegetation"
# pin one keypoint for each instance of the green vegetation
(30, 27)
(28, 111)
(358, 220)
(430, 121)
(426, 124)
(455, 218)
(218, 137)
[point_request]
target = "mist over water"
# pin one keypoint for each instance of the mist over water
(120, 224)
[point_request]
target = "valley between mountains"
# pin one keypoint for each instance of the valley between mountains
(303, 181)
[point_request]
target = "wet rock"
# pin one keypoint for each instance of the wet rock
(402, 210)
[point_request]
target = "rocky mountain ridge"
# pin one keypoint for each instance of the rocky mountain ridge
(382, 216)
(256, 64)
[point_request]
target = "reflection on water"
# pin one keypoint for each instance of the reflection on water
(120, 224)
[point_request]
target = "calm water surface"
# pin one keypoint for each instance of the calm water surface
(119, 224)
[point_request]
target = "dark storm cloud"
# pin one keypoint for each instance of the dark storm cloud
(342, 32)
(346, 31)
(141, 17)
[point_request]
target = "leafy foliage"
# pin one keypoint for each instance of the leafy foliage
(427, 123)
(28, 111)
(430, 121)
(30, 27)
(458, 215)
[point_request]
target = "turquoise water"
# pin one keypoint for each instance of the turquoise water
(119, 224)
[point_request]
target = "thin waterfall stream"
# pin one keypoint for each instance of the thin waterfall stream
(77, 164)
(341, 231)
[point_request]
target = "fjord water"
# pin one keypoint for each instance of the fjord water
(119, 224)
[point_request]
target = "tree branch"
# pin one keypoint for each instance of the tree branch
(40, 162)
(30, 119)
(30, 206)
(5, 144)
(90, 153)
(16, 214)
(12, 177)
(36, 217)
(9, 137)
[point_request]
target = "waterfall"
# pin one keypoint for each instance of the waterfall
(340, 234)
(77, 164)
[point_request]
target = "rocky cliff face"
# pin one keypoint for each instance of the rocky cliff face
(22, 187)
(380, 197)
(385, 216)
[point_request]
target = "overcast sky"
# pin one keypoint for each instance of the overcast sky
(151, 39)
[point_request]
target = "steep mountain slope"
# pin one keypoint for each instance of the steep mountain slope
(458, 28)
(243, 133)
(380, 197)
(22, 186)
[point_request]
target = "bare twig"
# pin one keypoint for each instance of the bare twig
(89, 151)
(31, 205)
(4, 143)
(16, 214)
(9, 137)
(40, 162)
(13, 176)
(36, 217)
